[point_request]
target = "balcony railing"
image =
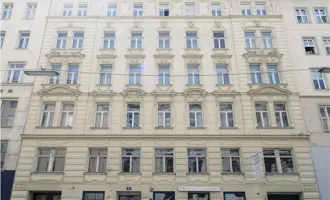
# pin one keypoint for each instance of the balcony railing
(7, 122)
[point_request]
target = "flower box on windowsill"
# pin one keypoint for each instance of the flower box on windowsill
(196, 127)
(131, 127)
(198, 173)
(53, 127)
(99, 127)
(163, 127)
(164, 173)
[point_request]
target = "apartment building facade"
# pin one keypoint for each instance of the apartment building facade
(22, 26)
(165, 100)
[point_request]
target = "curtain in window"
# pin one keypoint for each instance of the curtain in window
(135, 164)
(159, 164)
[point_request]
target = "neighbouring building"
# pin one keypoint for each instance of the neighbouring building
(22, 26)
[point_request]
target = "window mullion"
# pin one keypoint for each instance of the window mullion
(97, 163)
(278, 161)
(130, 163)
(164, 164)
(51, 160)
(197, 170)
(231, 164)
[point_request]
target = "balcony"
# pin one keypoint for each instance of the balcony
(7, 122)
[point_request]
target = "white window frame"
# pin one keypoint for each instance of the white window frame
(102, 113)
(320, 16)
(221, 75)
(255, 74)
(318, 77)
(8, 10)
(280, 113)
(67, 113)
(301, 15)
(9, 120)
(137, 12)
(162, 41)
(79, 40)
(326, 42)
(191, 11)
(231, 158)
(195, 113)
(164, 77)
(82, 10)
(52, 157)
(194, 155)
(226, 114)
(109, 40)
(272, 75)
(55, 79)
(30, 10)
(219, 39)
(130, 159)
(2, 38)
(112, 10)
(163, 7)
(12, 67)
(61, 41)
(67, 9)
(72, 75)
(216, 9)
(25, 39)
(191, 40)
(262, 10)
(278, 159)
(163, 113)
(163, 156)
(107, 74)
(267, 40)
(97, 167)
(133, 112)
(192, 73)
(135, 74)
(4, 149)
(261, 114)
(136, 40)
(325, 120)
(49, 113)
(311, 43)
(250, 42)
(246, 9)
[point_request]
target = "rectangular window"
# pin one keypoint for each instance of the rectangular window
(135, 74)
(2, 38)
(190, 9)
(67, 10)
(105, 75)
(109, 40)
(47, 116)
(197, 160)
(321, 15)
(222, 75)
(278, 160)
(137, 9)
(164, 115)
(164, 160)
(230, 160)
(67, 115)
(219, 40)
(112, 10)
(164, 40)
(302, 15)
(262, 114)
(326, 42)
(267, 40)
(319, 80)
(78, 39)
(50, 160)
(82, 9)
(164, 195)
(136, 40)
(310, 46)
(163, 75)
(93, 196)
(216, 9)
(15, 73)
(4, 146)
(261, 9)
(133, 115)
(245, 9)
(250, 40)
(256, 77)
(72, 74)
(61, 40)
(193, 74)
(30, 10)
(97, 160)
(226, 115)
(325, 117)
(7, 9)
(164, 10)
(191, 40)
(130, 160)
(23, 40)
(273, 74)
(55, 79)
(102, 115)
(195, 116)
(8, 110)
(281, 115)
(234, 195)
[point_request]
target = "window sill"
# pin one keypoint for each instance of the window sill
(95, 173)
(131, 127)
(163, 49)
(52, 173)
(164, 127)
(133, 85)
(228, 127)
(196, 127)
(6, 126)
(109, 85)
(129, 173)
(290, 127)
(281, 174)
(233, 173)
(15, 84)
(99, 127)
(20, 48)
(107, 49)
(168, 85)
(163, 173)
(53, 127)
(198, 173)
(220, 49)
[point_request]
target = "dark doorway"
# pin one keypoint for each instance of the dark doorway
(283, 197)
(47, 196)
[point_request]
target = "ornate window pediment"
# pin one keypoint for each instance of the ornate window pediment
(106, 59)
(65, 57)
(133, 95)
(195, 94)
(164, 58)
(193, 59)
(135, 59)
(269, 90)
(262, 56)
(59, 90)
(70, 25)
(256, 25)
(102, 94)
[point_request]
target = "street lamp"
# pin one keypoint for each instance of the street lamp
(41, 72)
(325, 70)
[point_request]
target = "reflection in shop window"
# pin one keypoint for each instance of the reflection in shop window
(129, 197)
(164, 195)
(234, 195)
(198, 196)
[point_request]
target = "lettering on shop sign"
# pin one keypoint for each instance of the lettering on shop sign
(199, 188)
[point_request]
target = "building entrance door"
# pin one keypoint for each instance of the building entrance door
(47, 196)
(129, 197)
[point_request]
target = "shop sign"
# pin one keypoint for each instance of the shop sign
(199, 188)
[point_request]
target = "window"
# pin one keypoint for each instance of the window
(278, 160)
(15, 73)
(164, 195)
(67, 10)
(134, 74)
(72, 74)
(109, 40)
(245, 9)
(230, 160)
(319, 80)
(234, 195)
(2, 38)
(47, 115)
(219, 40)
(261, 9)
(130, 160)
(216, 9)
(164, 115)
(226, 115)
(250, 40)
(102, 115)
(164, 40)
(82, 9)
(273, 74)
(67, 115)
(7, 9)
(256, 77)
(30, 10)
(281, 114)
(302, 16)
(133, 115)
(325, 117)
(8, 110)
(321, 15)
(164, 10)
(199, 195)
(222, 75)
(195, 116)
(55, 79)
(310, 47)
(93, 196)
(163, 160)
(197, 160)
(326, 42)
(262, 114)
(50, 160)
(267, 40)
(97, 160)
(105, 75)
(163, 75)
(78, 39)
(4, 146)
(193, 74)
(136, 41)
(61, 40)
(23, 41)
(191, 40)
(112, 10)
(137, 9)
(190, 9)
